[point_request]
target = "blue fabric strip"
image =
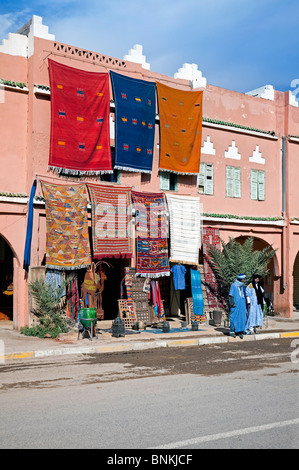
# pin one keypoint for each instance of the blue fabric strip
(27, 251)
(198, 303)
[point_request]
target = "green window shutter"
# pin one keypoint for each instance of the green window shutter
(237, 182)
(164, 180)
(233, 181)
(254, 184)
(201, 178)
(209, 179)
(229, 182)
(261, 185)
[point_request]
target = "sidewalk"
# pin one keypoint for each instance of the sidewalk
(16, 346)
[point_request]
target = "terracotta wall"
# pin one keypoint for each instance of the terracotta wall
(24, 151)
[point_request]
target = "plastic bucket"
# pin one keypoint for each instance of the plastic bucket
(87, 315)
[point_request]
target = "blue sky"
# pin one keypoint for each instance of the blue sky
(237, 44)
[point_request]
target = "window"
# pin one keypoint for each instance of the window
(168, 181)
(233, 181)
(257, 185)
(205, 179)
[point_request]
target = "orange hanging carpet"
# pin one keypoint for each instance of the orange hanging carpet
(80, 133)
(67, 238)
(180, 115)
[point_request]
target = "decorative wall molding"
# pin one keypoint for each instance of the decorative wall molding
(266, 92)
(21, 43)
(74, 52)
(233, 152)
(208, 148)
(190, 72)
(135, 55)
(257, 156)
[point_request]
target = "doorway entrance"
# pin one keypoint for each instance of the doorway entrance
(6, 281)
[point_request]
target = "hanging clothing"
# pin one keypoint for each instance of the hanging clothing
(179, 271)
(255, 316)
(238, 311)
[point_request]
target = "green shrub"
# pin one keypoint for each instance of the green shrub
(49, 307)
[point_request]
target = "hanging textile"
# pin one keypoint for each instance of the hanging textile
(184, 214)
(55, 279)
(80, 107)
(180, 114)
(67, 240)
(27, 250)
(111, 221)
(196, 289)
(135, 113)
(72, 300)
(211, 236)
(152, 232)
(158, 307)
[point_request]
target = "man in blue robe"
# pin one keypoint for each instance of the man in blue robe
(238, 307)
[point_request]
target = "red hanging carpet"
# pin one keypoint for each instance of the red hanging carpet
(80, 135)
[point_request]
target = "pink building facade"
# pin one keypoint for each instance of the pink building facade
(248, 175)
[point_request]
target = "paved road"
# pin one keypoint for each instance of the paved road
(242, 395)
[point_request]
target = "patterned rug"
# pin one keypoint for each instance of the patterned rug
(110, 221)
(135, 112)
(180, 115)
(80, 107)
(152, 232)
(185, 220)
(67, 240)
(211, 237)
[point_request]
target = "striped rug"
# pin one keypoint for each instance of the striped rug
(110, 221)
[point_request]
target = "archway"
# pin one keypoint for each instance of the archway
(268, 282)
(296, 282)
(6, 280)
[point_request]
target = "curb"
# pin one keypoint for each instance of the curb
(139, 346)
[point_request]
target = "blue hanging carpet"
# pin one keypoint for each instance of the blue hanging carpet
(135, 112)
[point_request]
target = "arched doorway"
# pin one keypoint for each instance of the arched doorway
(268, 282)
(6, 280)
(296, 282)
